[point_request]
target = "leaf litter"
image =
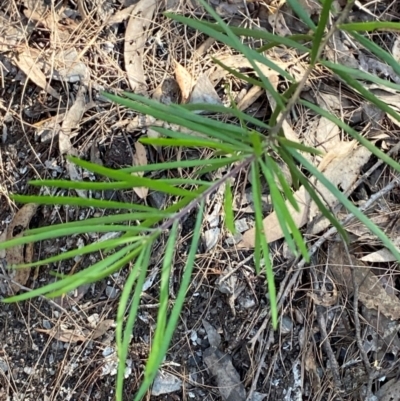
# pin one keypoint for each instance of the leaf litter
(72, 60)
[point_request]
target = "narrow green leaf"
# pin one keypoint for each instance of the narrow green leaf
(182, 164)
(262, 243)
(189, 143)
(63, 232)
(370, 26)
(123, 337)
(176, 310)
(76, 278)
(228, 209)
(358, 74)
(83, 202)
(301, 13)
(289, 41)
(296, 38)
(320, 31)
(287, 190)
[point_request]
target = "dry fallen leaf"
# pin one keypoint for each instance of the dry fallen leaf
(204, 92)
(396, 49)
(271, 224)
(185, 81)
(28, 62)
(226, 376)
(381, 256)
(71, 121)
(370, 290)
(20, 254)
(342, 171)
(341, 166)
(65, 335)
(140, 159)
(135, 43)
(102, 328)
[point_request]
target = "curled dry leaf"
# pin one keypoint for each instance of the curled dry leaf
(140, 159)
(20, 254)
(184, 80)
(135, 43)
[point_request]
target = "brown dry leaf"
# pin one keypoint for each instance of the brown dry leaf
(370, 291)
(311, 368)
(28, 62)
(396, 49)
(383, 255)
(135, 43)
(271, 224)
(65, 335)
(226, 376)
(342, 171)
(102, 328)
(327, 135)
(140, 159)
(341, 166)
(20, 254)
(204, 92)
(185, 81)
(71, 122)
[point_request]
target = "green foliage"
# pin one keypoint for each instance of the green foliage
(235, 147)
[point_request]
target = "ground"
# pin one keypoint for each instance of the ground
(337, 335)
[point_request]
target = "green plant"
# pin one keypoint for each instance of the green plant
(252, 144)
